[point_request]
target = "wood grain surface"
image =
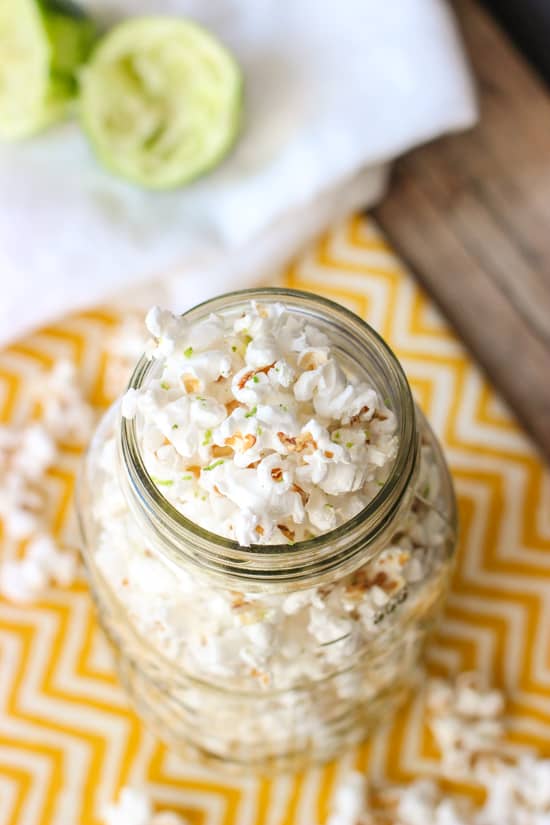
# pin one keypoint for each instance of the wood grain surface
(471, 215)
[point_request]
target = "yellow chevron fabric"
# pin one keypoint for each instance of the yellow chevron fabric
(68, 741)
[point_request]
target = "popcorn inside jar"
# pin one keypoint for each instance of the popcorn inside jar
(266, 516)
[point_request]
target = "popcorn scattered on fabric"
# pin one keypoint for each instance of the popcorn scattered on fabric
(517, 788)
(466, 719)
(27, 452)
(517, 795)
(44, 563)
(253, 429)
(351, 801)
(134, 807)
(65, 414)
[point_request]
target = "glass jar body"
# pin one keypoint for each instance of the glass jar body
(280, 668)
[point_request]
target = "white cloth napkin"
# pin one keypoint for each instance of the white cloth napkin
(334, 91)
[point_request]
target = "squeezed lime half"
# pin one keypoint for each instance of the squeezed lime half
(161, 101)
(43, 43)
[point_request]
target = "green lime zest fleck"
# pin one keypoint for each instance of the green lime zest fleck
(283, 407)
(247, 339)
(349, 444)
(380, 483)
(252, 412)
(336, 436)
(234, 348)
(187, 478)
(426, 491)
(387, 402)
(165, 385)
(207, 438)
(255, 379)
(188, 352)
(213, 466)
(162, 482)
(259, 431)
(175, 426)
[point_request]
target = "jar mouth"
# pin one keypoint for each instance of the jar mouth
(185, 539)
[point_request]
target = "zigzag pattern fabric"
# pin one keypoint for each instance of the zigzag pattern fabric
(68, 741)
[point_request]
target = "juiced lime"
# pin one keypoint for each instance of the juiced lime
(42, 45)
(161, 101)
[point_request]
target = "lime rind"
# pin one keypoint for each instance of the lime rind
(43, 43)
(161, 101)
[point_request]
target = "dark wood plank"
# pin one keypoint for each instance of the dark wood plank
(471, 215)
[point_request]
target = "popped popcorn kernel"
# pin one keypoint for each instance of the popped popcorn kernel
(134, 807)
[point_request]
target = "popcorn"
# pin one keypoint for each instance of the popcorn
(517, 789)
(349, 801)
(168, 331)
(21, 507)
(24, 580)
(66, 415)
(422, 803)
(35, 453)
(26, 454)
(60, 566)
(466, 721)
(134, 807)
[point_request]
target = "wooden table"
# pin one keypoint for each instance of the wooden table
(471, 215)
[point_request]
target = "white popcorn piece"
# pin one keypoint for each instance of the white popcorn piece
(22, 581)
(66, 415)
(418, 803)
(27, 579)
(35, 453)
(466, 721)
(26, 454)
(21, 509)
(134, 807)
(60, 566)
(350, 801)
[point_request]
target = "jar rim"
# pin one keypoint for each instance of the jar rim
(185, 539)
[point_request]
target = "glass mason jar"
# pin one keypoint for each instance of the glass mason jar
(268, 689)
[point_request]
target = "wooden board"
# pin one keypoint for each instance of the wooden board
(471, 215)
